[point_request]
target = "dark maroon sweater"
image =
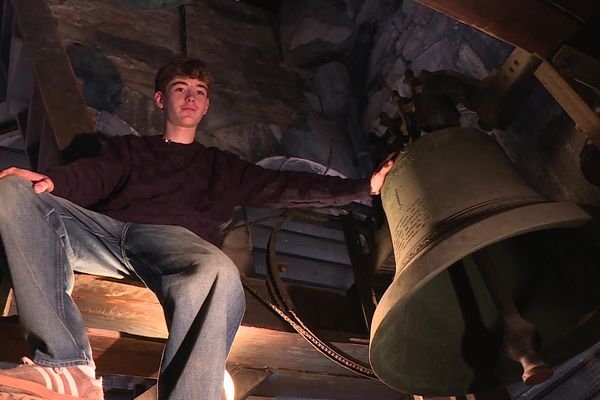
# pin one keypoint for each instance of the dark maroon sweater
(146, 180)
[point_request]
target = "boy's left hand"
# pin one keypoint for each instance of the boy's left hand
(378, 177)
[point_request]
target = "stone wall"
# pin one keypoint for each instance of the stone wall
(541, 141)
(309, 81)
(260, 105)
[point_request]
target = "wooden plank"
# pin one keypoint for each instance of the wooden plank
(500, 96)
(586, 120)
(53, 72)
(257, 348)
(295, 367)
(131, 309)
(309, 385)
(20, 78)
(246, 380)
(8, 14)
(253, 348)
(150, 394)
(119, 354)
(534, 26)
(119, 306)
(13, 345)
(6, 293)
(41, 145)
(363, 265)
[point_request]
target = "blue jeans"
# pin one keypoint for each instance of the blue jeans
(46, 238)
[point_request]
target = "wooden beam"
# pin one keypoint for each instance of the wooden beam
(310, 385)
(6, 293)
(119, 306)
(254, 348)
(363, 270)
(6, 298)
(534, 26)
(53, 73)
(39, 136)
(295, 367)
(500, 95)
(263, 339)
(113, 352)
(150, 394)
(132, 309)
(266, 348)
(246, 380)
(586, 120)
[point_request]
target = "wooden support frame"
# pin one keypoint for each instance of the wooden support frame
(39, 138)
(246, 380)
(6, 31)
(499, 96)
(61, 96)
(6, 292)
(363, 266)
(150, 394)
(586, 120)
(536, 27)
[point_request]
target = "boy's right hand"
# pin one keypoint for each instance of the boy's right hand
(41, 183)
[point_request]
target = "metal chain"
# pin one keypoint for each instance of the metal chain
(284, 309)
(321, 346)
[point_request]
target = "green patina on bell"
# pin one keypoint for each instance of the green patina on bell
(457, 210)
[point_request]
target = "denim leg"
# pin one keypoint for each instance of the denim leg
(45, 238)
(203, 299)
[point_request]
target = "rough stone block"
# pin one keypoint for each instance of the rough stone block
(313, 31)
(332, 83)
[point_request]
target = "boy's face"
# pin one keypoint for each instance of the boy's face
(185, 101)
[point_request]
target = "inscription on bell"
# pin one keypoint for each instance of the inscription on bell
(443, 179)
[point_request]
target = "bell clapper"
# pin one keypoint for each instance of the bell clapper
(521, 338)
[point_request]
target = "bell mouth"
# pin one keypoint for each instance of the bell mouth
(390, 325)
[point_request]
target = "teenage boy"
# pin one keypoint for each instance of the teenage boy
(149, 208)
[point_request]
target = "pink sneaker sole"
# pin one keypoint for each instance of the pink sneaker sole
(23, 387)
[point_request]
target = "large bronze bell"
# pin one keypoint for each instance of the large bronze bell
(493, 282)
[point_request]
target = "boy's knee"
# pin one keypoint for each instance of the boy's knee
(13, 181)
(12, 191)
(12, 186)
(227, 273)
(228, 269)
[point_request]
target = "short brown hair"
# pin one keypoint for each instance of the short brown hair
(185, 67)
